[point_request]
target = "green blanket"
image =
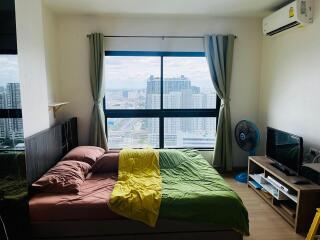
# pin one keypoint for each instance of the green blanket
(192, 190)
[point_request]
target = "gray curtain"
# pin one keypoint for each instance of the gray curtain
(97, 135)
(219, 53)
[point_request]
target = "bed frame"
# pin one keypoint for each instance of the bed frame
(44, 150)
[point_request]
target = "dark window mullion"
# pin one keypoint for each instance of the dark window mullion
(161, 83)
(158, 113)
(10, 113)
(161, 119)
(218, 103)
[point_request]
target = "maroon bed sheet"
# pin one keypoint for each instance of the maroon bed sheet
(89, 204)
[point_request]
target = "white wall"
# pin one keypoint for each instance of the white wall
(32, 68)
(290, 81)
(53, 61)
(50, 45)
(73, 55)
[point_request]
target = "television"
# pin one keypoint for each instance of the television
(285, 149)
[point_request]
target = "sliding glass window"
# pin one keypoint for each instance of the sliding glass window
(159, 99)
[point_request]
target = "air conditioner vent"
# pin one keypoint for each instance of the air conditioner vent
(290, 25)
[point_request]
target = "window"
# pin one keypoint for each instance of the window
(159, 99)
(11, 129)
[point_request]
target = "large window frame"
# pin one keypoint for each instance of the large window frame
(160, 113)
(10, 113)
(8, 46)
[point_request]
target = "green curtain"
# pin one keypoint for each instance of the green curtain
(219, 53)
(97, 135)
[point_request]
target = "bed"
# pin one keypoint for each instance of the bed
(86, 215)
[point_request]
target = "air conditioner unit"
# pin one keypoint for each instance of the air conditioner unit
(297, 13)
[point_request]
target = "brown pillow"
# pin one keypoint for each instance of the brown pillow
(108, 162)
(65, 177)
(88, 154)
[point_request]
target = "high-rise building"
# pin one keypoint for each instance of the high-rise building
(178, 93)
(11, 128)
(13, 98)
(3, 104)
(13, 95)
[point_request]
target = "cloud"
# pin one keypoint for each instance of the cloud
(8, 69)
(133, 72)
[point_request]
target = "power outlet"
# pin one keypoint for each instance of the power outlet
(311, 154)
(314, 152)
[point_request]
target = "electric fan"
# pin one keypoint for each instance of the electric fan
(247, 137)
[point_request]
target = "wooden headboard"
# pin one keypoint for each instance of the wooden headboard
(45, 149)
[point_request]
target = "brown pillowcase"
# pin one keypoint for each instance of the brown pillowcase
(108, 162)
(65, 177)
(88, 154)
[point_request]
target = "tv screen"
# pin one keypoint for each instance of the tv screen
(284, 148)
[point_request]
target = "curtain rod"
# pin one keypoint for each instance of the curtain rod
(144, 36)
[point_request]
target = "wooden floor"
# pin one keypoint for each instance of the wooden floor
(265, 223)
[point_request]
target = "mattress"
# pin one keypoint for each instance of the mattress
(89, 204)
(192, 191)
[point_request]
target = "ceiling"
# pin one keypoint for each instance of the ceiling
(226, 8)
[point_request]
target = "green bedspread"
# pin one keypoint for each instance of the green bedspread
(192, 190)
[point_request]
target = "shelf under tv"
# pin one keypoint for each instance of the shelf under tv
(273, 189)
(295, 203)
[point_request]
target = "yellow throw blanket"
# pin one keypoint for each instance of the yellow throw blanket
(137, 193)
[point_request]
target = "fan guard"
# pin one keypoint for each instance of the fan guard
(247, 136)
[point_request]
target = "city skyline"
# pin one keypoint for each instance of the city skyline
(122, 71)
(187, 84)
(11, 129)
(117, 98)
(178, 93)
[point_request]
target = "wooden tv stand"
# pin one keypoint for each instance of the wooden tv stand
(297, 206)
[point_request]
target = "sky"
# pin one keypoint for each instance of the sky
(8, 69)
(123, 71)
